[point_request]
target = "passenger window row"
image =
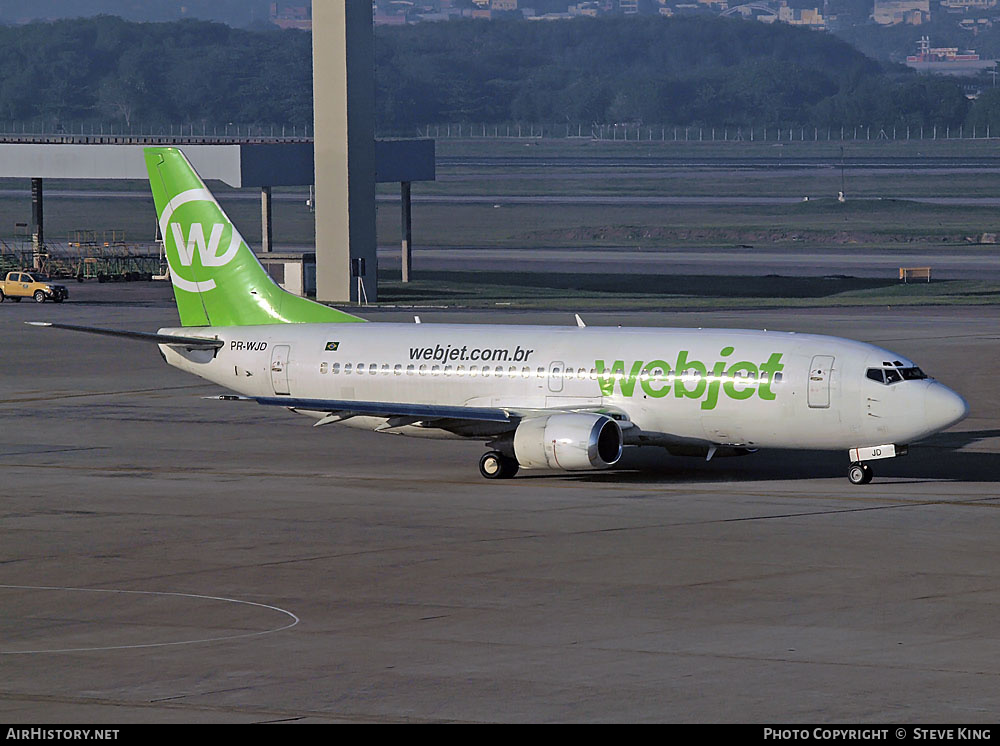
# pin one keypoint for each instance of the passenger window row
(485, 371)
(498, 371)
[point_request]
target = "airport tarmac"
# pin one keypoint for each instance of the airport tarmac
(170, 559)
(960, 263)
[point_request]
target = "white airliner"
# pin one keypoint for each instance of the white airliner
(565, 398)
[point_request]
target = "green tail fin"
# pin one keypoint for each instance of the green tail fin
(217, 279)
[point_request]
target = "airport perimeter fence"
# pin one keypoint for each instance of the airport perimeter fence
(30, 130)
(691, 133)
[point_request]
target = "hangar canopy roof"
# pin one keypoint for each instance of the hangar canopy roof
(237, 164)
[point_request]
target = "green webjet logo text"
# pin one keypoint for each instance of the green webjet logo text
(692, 379)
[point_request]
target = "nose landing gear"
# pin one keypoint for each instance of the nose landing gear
(860, 473)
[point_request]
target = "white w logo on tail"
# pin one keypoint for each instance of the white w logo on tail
(207, 251)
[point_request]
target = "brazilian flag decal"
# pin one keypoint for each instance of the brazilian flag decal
(332, 346)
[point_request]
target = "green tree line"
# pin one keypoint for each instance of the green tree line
(684, 70)
(665, 71)
(192, 72)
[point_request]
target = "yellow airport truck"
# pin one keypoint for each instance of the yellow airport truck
(31, 285)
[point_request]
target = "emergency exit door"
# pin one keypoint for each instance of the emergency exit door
(820, 372)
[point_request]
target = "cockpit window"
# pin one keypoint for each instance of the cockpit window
(876, 375)
(891, 374)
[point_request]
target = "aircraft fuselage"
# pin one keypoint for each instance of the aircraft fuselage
(756, 389)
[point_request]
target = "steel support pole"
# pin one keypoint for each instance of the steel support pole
(407, 228)
(37, 224)
(265, 220)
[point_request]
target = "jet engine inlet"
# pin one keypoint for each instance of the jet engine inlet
(570, 442)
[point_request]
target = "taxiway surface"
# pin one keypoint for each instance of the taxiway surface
(966, 263)
(166, 558)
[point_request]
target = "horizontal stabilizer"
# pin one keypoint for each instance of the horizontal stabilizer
(187, 343)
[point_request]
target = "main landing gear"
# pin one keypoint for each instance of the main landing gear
(494, 465)
(860, 473)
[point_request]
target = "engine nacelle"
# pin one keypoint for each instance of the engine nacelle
(571, 442)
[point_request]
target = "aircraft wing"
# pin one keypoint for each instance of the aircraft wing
(424, 412)
(186, 343)
(414, 412)
(479, 421)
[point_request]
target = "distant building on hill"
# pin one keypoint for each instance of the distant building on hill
(291, 16)
(811, 17)
(975, 25)
(716, 4)
(893, 12)
(966, 5)
(772, 13)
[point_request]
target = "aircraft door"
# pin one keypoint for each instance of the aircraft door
(279, 369)
(820, 372)
(556, 371)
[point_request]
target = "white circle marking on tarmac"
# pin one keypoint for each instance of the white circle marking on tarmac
(295, 619)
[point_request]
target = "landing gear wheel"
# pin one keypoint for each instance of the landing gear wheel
(494, 465)
(39, 296)
(860, 473)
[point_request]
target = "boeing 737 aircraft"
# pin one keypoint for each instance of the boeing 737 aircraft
(566, 398)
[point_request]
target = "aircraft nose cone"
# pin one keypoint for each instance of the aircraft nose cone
(943, 406)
